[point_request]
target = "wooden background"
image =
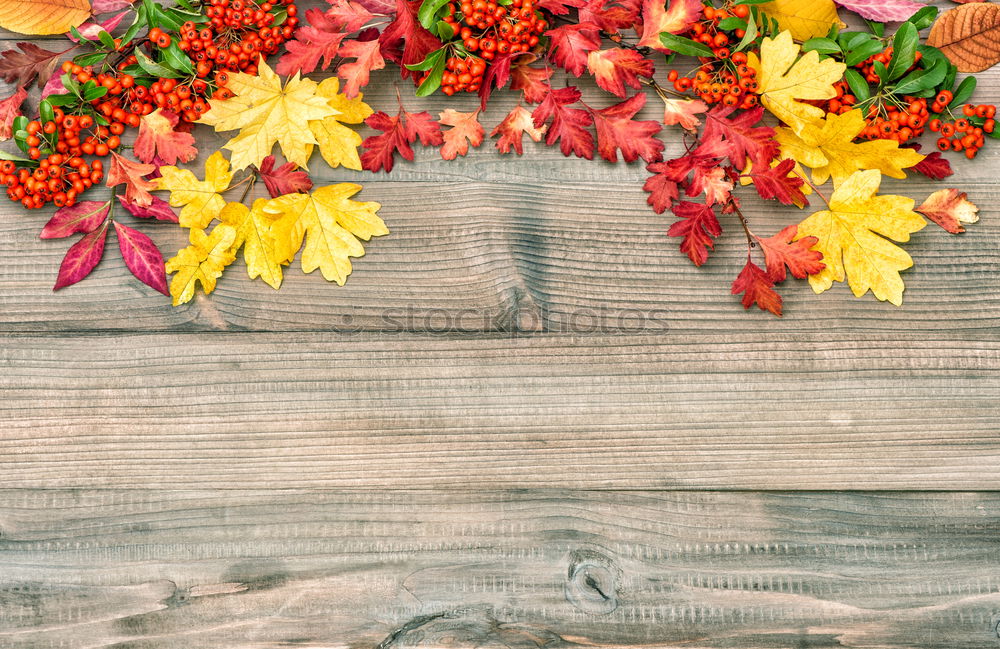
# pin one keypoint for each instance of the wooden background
(526, 421)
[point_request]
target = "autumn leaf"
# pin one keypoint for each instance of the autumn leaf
(265, 112)
(399, 133)
(658, 18)
(882, 11)
(159, 209)
(610, 17)
(567, 125)
(784, 251)
(855, 236)
(351, 15)
(466, 130)
(804, 19)
(828, 147)
(779, 182)
(697, 228)
(157, 137)
(9, 109)
(82, 257)
(785, 80)
(317, 40)
(757, 288)
(616, 130)
(201, 262)
(253, 234)
(616, 68)
(201, 200)
(949, 209)
(330, 223)
(285, 179)
(42, 17)
(532, 82)
(122, 171)
(404, 40)
(934, 166)
(969, 36)
(514, 126)
(713, 182)
(142, 257)
(739, 137)
(31, 62)
(570, 45)
(339, 144)
(84, 216)
(682, 112)
(368, 58)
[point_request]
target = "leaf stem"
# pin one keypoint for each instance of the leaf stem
(814, 187)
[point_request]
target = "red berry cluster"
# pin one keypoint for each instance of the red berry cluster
(724, 78)
(59, 178)
(964, 133)
(488, 29)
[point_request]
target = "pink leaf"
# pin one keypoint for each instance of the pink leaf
(106, 6)
(82, 257)
(85, 216)
(91, 29)
(54, 86)
(882, 11)
(142, 257)
(9, 109)
(159, 209)
(379, 7)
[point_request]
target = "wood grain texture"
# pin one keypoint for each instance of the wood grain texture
(401, 411)
(554, 569)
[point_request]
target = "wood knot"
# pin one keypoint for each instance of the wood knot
(592, 582)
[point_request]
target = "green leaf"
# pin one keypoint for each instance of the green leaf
(963, 92)
(751, 2)
(61, 100)
(429, 61)
(948, 82)
(924, 17)
(153, 68)
(904, 48)
(106, 39)
(880, 70)
(921, 80)
(732, 23)
(750, 36)
(10, 156)
(428, 11)
(850, 40)
(90, 59)
(858, 85)
(876, 28)
(862, 52)
(71, 84)
(684, 46)
(45, 112)
(175, 58)
(280, 16)
(19, 124)
(444, 30)
(135, 27)
(78, 36)
(821, 45)
(433, 81)
(92, 91)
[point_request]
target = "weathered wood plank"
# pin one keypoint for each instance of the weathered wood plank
(803, 411)
(190, 569)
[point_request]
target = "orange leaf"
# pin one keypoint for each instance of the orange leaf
(123, 171)
(43, 16)
(969, 36)
(465, 130)
(949, 209)
(158, 137)
(675, 19)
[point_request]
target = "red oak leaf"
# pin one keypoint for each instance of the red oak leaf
(84, 216)
(676, 19)
(662, 187)
(616, 130)
(512, 129)
(21, 68)
(356, 74)
(465, 131)
(82, 257)
(405, 41)
(744, 138)
(9, 109)
(285, 179)
(775, 182)
(157, 137)
(350, 15)
(319, 40)
(698, 226)
(780, 251)
(570, 45)
(398, 133)
(949, 209)
(159, 209)
(934, 166)
(616, 68)
(124, 171)
(609, 17)
(532, 82)
(559, 7)
(569, 125)
(142, 257)
(682, 112)
(713, 182)
(757, 288)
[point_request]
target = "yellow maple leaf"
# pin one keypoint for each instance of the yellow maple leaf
(849, 238)
(202, 261)
(828, 147)
(338, 144)
(266, 113)
(784, 79)
(202, 200)
(253, 233)
(804, 19)
(330, 223)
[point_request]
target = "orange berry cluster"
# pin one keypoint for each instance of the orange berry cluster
(867, 67)
(899, 123)
(726, 78)
(963, 133)
(462, 74)
(59, 178)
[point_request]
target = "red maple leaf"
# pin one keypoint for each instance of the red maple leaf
(713, 181)
(351, 15)
(532, 82)
(780, 251)
(465, 131)
(318, 40)
(512, 129)
(616, 130)
(775, 182)
(356, 74)
(405, 41)
(9, 109)
(124, 171)
(496, 77)
(570, 45)
(609, 17)
(616, 68)
(934, 166)
(285, 179)
(744, 138)
(569, 125)
(757, 288)
(698, 226)
(663, 189)
(559, 7)
(157, 137)
(399, 133)
(682, 112)
(656, 19)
